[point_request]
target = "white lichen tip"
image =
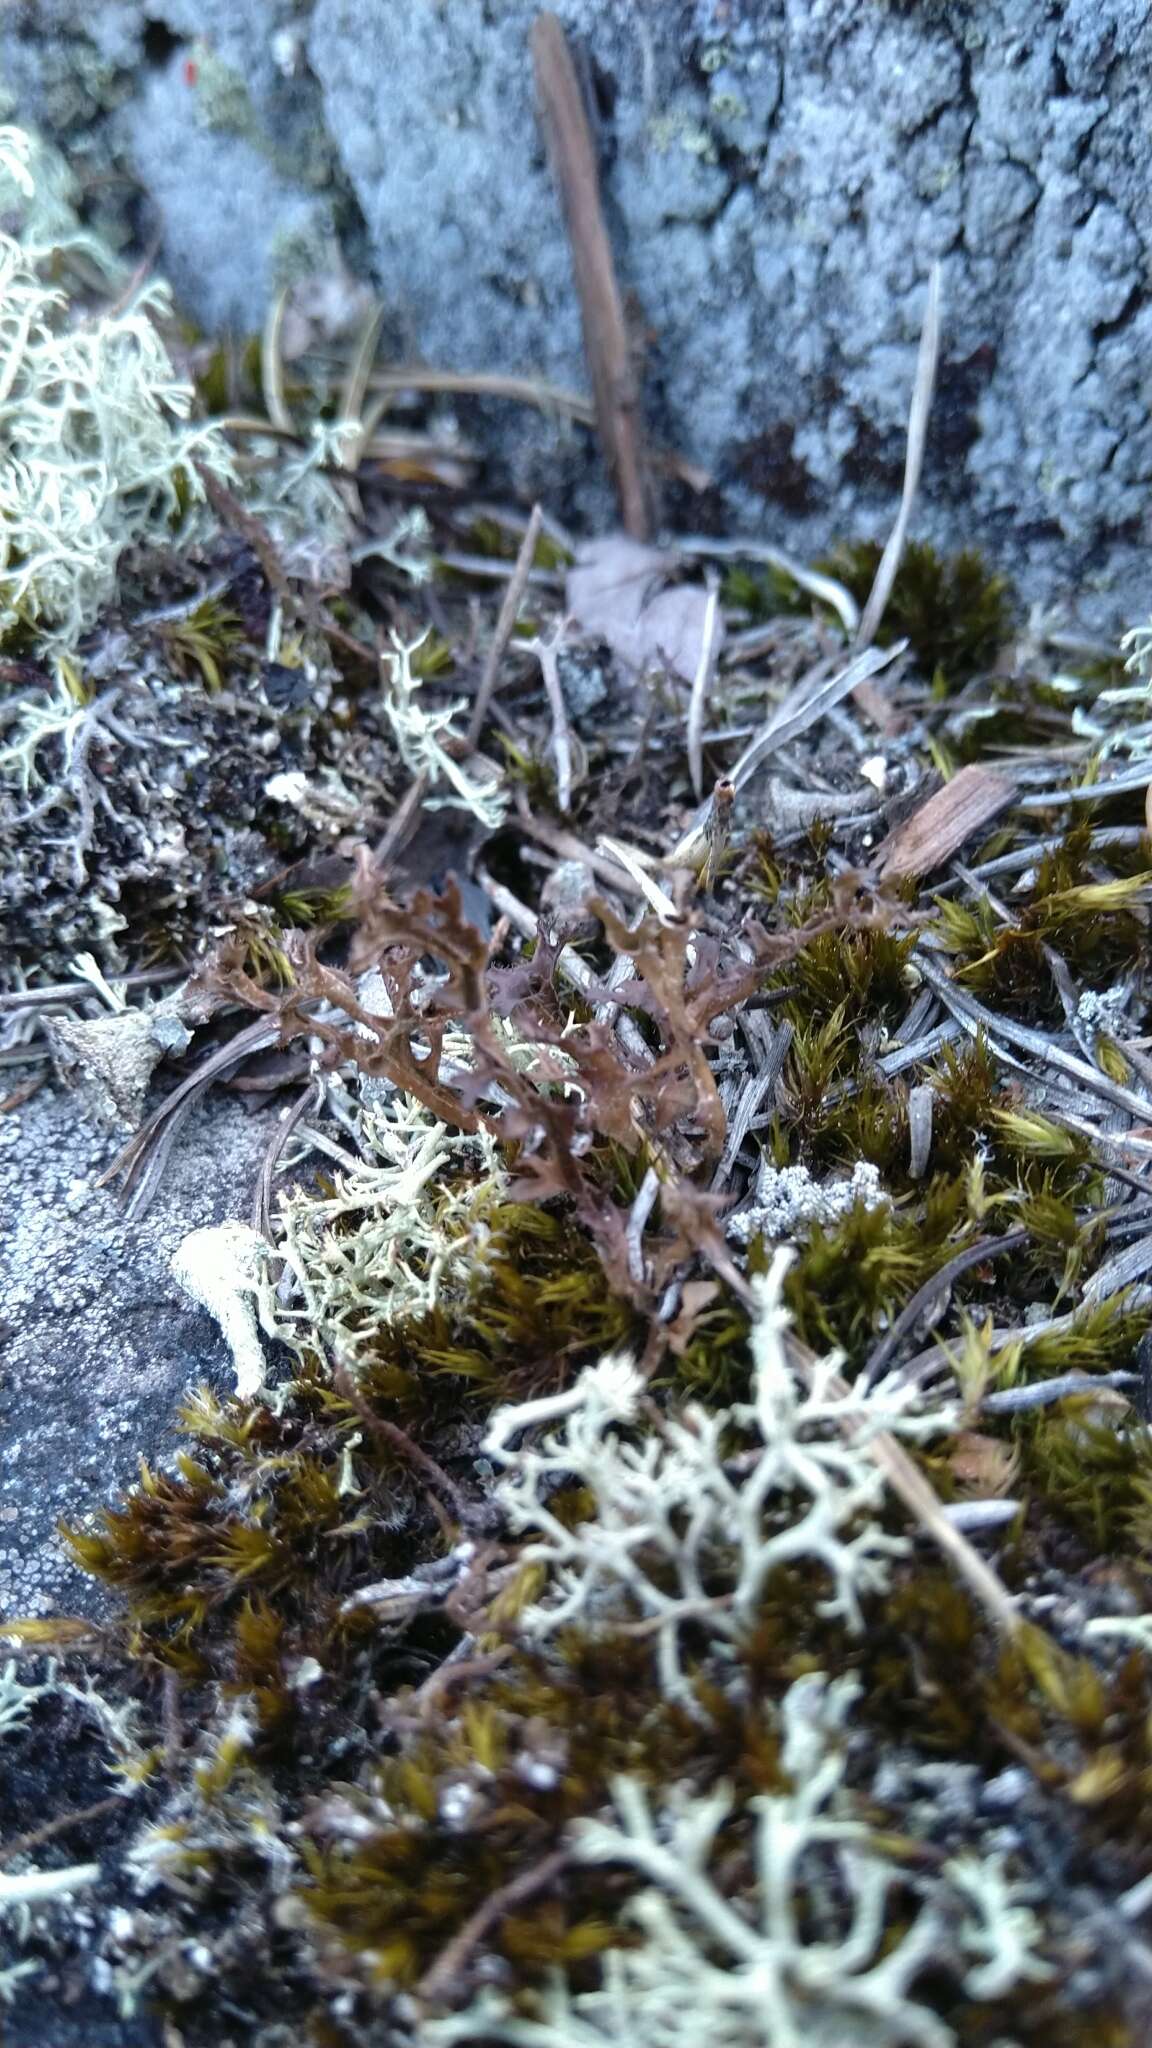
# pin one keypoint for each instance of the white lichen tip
(30, 1887)
(221, 1269)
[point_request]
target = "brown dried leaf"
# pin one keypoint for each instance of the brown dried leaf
(619, 591)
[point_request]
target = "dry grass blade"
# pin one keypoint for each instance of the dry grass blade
(147, 1147)
(976, 1018)
(272, 366)
(657, 898)
(933, 1294)
(909, 1485)
(534, 391)
(439, 1979)
(940, 826)
(546, 652)
(824, 588)
(705, 668)
(361, 425)
(505, 623)
(606, 345)
(889, 562)
(807, 703)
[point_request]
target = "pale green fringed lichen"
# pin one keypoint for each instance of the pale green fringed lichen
(424, 738)
(693, 1518)
(38, 196)
(402, 1232)
(807, 1961)
(100, 446)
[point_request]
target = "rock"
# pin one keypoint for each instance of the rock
(98, 1345)
(778, 179)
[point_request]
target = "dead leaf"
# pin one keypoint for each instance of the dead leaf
(941, 825)
(697, 1295)
(619, 591)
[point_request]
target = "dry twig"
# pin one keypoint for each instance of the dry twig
(705, 668)
(505, 623)
(606, 345)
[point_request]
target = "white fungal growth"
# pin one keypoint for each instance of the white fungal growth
(222, 1269)
(691, 1517)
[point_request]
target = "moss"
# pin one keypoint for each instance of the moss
(765, 593)
(1095, 1475)
(955, 613)
(860, 976)
(851, 1278)
(502, 544)
(207, 640)
(542, 1307)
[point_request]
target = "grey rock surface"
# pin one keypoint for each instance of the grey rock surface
(97, 1343)
(780, 174)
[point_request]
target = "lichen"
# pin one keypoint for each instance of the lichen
(101, 449)
(424, 739)
(697, 1517)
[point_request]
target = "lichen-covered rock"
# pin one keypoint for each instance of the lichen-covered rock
(779, 178)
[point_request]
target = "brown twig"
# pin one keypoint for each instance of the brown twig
(405, 1446)
(940, 825)
(236, 518)
(606, 346)
(438, 1980)
(567, 846)
(22, 1093)
(934, 1291)
(505, 623)
(20, 1844)
(306, 1101)
(402, 823)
